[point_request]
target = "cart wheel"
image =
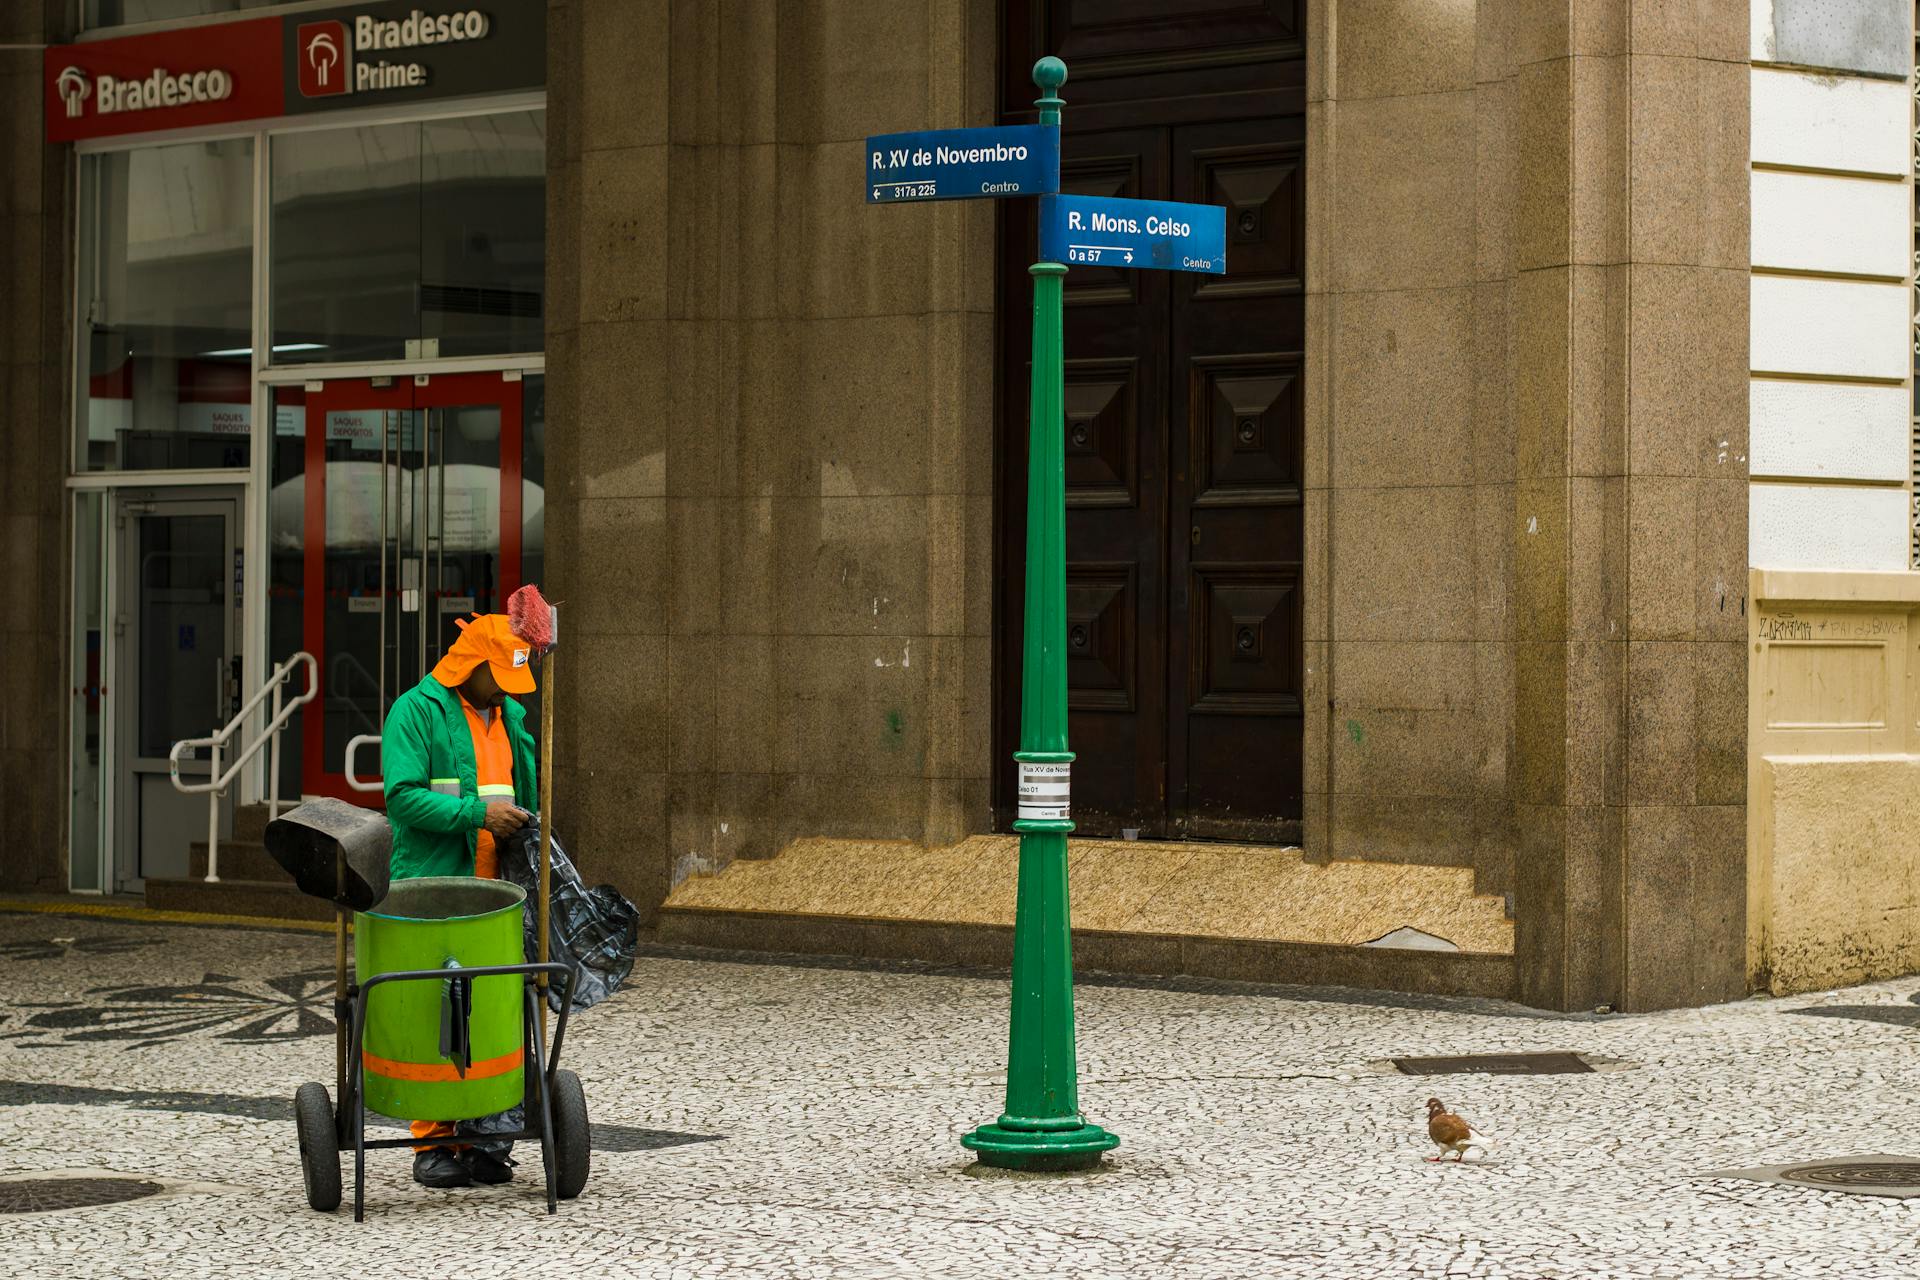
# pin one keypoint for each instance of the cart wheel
(572, 1140)
(319, 1146)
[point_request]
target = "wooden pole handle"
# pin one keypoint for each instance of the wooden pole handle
(546, 822)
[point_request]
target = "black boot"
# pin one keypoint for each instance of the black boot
(439, 1167)
(487, 1167)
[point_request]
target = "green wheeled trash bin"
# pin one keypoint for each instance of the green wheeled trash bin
(415, 1060)
(443, 1027)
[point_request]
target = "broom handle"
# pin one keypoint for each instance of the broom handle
(339, 977)
(546, 823)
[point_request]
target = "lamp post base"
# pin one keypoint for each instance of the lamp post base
(1009, 1144)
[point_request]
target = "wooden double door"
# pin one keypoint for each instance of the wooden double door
(1183, 424)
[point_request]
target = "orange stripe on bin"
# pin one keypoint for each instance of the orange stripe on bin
(436, 1072)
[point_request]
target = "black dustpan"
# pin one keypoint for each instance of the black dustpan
(308, 840)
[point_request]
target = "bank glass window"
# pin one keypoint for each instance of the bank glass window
(286, 550)
(166, 304)
(87, 697)
(120, 13)
(409, 241)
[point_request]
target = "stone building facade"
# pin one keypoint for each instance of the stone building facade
(1425, 557)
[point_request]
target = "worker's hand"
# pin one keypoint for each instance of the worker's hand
(504, 818)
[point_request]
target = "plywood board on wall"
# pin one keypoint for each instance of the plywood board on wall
(1834, 782)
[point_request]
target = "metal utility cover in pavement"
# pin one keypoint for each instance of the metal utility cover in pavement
(1895, 1176)
(1496, 1064)
(49, 1195)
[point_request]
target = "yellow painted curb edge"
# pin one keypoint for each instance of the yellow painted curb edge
(115, 911)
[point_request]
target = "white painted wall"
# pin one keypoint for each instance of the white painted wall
(1842, 226)
(1762, 36)
(1831, 330)
(1813, 526)
(1826, 121)
(1828, 430)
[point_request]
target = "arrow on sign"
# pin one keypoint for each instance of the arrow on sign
(1129, 255)
(876, 193)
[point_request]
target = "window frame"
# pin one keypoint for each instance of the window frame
(114, 30)
(254, 479)
(77, 337)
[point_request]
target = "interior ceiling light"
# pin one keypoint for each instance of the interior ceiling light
(277, 348)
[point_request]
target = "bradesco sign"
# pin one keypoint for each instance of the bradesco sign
(311, 61)
(405, 52)
(168, 80)
(328, 60)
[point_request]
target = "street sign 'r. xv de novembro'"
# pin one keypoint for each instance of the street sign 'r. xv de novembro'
(955, 164)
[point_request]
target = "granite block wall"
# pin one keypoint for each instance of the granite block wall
(33, 412)
(1525, 415)
(775, 501)
(1528, 243)
(1410, 459)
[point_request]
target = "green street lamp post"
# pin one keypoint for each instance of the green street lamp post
(1042, 1128)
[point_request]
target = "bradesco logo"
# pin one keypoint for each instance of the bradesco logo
(329, 63)
(326, 58)
(159, 88)
(74, 88)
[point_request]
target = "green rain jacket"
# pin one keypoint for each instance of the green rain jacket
(433, 788)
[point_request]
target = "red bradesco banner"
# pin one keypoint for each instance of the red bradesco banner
(214, 74)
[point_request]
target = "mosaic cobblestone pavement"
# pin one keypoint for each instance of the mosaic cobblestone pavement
(793, 1119)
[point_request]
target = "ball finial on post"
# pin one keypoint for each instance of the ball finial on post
(1050, 73)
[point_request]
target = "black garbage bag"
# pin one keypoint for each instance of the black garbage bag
(595, 928)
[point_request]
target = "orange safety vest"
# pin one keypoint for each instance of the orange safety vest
(493, 762)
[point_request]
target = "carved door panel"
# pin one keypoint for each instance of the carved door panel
(1116, 476)
(1183, 422)
(1235, 513)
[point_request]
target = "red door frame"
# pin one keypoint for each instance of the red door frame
(425, 391)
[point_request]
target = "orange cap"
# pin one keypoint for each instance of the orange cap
(488, 638)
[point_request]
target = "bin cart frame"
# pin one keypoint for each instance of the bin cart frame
(553, 1097)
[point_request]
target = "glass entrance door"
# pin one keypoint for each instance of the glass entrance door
(412, 521)
(175, 623)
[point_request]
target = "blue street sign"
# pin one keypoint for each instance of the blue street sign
(959, 164)
(1110, 232)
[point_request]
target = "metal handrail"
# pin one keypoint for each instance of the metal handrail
(217, 782)
(353, 748)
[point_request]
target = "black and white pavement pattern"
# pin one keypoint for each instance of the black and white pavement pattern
(791, 1118)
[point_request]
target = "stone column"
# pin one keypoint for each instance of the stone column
(1628, 346)
(1409, 459)
(770, 469)
(35, 431)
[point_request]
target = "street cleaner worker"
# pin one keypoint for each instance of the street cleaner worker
(459, 767)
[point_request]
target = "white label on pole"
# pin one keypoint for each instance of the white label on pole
(1044, 790)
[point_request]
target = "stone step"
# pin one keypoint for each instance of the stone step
(239, 860)
(265, 899)
(250, 822)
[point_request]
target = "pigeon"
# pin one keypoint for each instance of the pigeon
(1451, 1133)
